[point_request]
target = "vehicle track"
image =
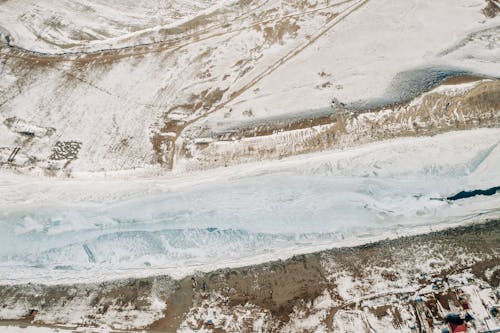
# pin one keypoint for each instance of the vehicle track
(177, 44)
(154, 47)
(270, 69)
(135, 50)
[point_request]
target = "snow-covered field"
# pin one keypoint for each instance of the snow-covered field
(37, 329)
(89, 229)
(115, 116)
(65, 26)
(133, 98)
(31, 329)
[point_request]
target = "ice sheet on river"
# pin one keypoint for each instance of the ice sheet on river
(246, 214)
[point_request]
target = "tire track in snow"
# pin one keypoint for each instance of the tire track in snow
(270, 69)
(159, 46)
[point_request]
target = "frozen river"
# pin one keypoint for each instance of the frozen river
(56, 231)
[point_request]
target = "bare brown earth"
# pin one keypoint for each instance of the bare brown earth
(278, 291)
(461, 79)
(492, 8)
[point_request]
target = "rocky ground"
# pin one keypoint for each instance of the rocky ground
(405, 285)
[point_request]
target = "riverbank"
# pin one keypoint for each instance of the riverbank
(378, 282)
(92, 230)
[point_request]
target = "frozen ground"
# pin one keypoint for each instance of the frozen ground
(63, 26)
(128, 98)
(36, 329)
(30, 329)
(387, 286)
(56, 231)
(139, 83)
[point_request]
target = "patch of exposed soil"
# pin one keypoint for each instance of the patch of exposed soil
(178, 304)
(492, 8)
(461, 79)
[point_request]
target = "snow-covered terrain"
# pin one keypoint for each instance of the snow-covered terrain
(114, 97)
(37, 329)
(31, 329)
(141, 138)
(403, 285)
(94, 229)
(64, 26)
(408, 285)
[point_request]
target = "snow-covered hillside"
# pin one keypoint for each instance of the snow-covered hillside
(125, 85)
(172, 137)
(65, 26)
